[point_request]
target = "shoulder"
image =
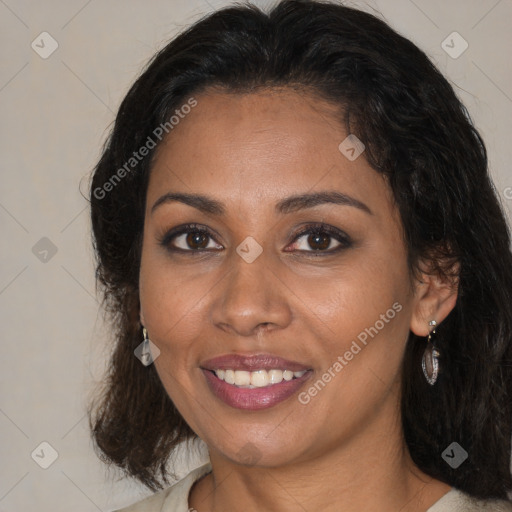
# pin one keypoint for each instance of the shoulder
(172, 499)
(457, 501)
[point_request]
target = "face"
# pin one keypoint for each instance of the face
(267, 285)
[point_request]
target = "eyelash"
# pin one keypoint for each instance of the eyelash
(310, 229)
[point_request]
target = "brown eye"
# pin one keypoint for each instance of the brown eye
(319, 242)
(319, 238)
(189, 238)
(197, 240)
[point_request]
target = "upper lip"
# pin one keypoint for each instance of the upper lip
(252, 363)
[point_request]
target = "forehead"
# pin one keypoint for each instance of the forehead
(256, 148)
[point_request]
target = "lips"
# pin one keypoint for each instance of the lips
(252, 363)
(254, 397)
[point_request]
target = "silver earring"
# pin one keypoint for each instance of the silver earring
(147, 351)
(145, 355)
(430, 360)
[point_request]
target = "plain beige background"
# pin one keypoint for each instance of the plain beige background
(55, 115)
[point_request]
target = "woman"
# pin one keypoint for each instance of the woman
(309, 269)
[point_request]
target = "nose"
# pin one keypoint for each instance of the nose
(251, 298)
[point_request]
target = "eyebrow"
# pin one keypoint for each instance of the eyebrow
(290, 204)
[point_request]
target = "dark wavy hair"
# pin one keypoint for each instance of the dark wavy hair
(417, 133)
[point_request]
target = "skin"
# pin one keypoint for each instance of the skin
(343, 450)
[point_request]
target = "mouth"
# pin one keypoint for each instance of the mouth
(254, 382)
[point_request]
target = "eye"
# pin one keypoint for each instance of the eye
(193, 238)
(189, 238)
(319, 237)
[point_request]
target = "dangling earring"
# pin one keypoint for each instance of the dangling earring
(430, 360)
(145, 353)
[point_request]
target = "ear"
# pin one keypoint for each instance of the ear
(434, 298)
(141, 318)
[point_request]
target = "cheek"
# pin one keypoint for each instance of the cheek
(169, 303)
(363, 313)
(352, 296)
(171, 317)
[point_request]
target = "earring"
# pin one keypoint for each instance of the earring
(430, 360)
(145, 353)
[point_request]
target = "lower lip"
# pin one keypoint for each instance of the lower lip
(255, 398)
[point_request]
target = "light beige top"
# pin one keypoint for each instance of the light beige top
(175, 499)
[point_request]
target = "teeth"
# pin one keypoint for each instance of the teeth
(257, 379)
(287, 375)
(242, 378)
(275, 376)
(229, 376)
